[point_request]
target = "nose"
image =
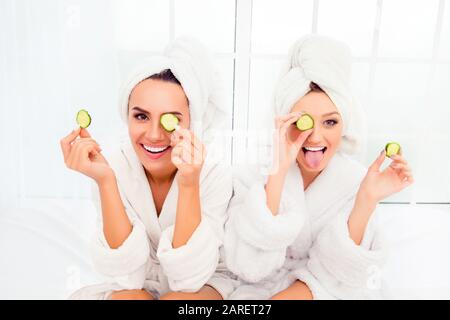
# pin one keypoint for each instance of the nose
(315, 136)
(155, 132)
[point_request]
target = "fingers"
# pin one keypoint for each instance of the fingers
(181, 154)
(82, 141)
(289, 118)
(403, 171)
(183, 134)
(84, 133)
(399, 166)
(406, 181)
(302, 137)
(376, 165)
(190, 137)
(283, 129)
(175, 137)
(409, 181)
(83, 151)
(187, 148)
(186, 153)
(398, 158)
(80, 151)
(66, 142)
(406, 176)
(187, 136)
(287, 123)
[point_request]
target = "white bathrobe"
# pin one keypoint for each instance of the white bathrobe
(308, 240)
(147, 259)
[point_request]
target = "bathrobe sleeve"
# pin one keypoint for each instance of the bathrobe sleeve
(336, 258)
(256, 240)
(127, 265)
(189, 267)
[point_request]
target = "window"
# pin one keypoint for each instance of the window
(57, 57)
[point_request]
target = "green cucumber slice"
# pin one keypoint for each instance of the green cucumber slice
(83, 119)
(305, 122)
(392, 148)
(169, 122)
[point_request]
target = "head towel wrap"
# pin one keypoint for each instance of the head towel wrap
(326, 62)
(192, 65)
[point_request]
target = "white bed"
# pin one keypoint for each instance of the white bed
(45, 250)
(418, 237)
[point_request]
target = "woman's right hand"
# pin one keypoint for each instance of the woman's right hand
(83, 155)
(286, 151)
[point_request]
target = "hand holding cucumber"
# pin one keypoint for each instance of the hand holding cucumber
(82, 153)
(188, 155)
(286, 150)
(378, 185)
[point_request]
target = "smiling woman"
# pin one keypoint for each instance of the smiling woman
(151, 99)
(298, 233)
(325, 137)
(162, 210)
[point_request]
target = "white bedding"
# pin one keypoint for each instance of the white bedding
(418, 266)
(44, 251)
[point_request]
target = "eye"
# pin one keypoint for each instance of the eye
(330, 123)
(140, 116)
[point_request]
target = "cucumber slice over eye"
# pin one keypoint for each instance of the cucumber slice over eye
(169, 122)
(83, 119)
(392, 148)
(305, 122)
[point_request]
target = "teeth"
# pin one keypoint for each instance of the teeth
(314, 148)
(155, 149)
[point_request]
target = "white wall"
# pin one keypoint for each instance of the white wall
(59, 56)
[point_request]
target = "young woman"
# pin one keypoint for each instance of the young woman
(162, 206)
(301, 232)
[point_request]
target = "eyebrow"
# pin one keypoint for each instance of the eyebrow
(330, 114)
(146, 112)
(140, 110)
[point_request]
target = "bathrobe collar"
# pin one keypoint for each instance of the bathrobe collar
(339, 180)
(135, 186)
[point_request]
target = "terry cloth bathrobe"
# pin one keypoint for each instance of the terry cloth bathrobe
(147, 259)
(309, 239)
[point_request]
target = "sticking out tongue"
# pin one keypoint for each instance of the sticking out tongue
(313, 158)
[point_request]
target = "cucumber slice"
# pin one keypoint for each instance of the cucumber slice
(392, 148)
(169, 122)
(305, 122)
(83, 119)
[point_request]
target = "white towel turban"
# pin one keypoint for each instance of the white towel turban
(326, 62)
(192, 65)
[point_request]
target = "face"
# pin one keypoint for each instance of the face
(148, 101)
(325, 138)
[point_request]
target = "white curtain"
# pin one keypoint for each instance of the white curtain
(56, 57)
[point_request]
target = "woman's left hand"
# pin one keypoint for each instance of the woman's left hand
(188, 155)
(378, 185)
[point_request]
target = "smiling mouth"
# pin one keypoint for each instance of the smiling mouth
(314, 156)
(155, 150)
(314, 149)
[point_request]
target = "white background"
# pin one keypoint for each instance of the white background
(59, 56)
